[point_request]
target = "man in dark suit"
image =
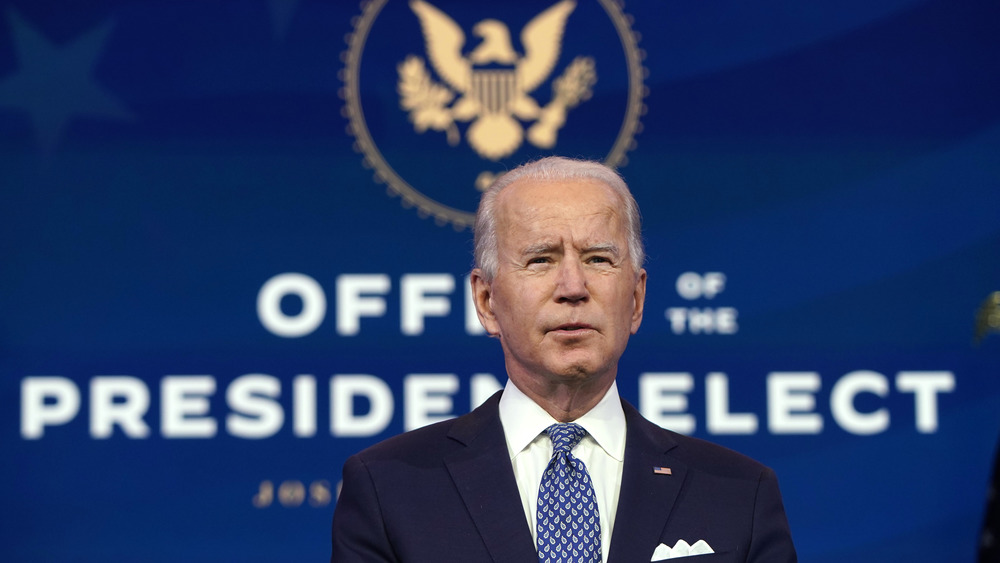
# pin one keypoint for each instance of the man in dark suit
(557, 467)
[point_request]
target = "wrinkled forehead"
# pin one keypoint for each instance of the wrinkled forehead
(536, 209)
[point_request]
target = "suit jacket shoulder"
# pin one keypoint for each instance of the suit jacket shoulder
(695, 452)
(437, 440)
(445, 492)
(676, 487)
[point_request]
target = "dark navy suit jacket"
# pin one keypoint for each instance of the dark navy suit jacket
(446, 492)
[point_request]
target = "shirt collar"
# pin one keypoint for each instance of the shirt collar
(523, 420)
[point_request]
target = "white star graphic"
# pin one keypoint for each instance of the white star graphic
(54, 83)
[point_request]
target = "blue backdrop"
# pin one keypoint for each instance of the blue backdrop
(233, 249)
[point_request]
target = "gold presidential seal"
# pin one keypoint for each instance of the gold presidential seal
(488, 93)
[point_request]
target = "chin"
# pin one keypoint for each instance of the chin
(578, 371)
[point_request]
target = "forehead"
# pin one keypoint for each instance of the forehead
(532, 208)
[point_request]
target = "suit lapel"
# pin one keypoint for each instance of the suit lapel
(646, 498)
(483, 475)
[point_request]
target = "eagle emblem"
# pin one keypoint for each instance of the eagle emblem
(490, 87)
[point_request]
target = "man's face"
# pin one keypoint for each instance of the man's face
(566, 296)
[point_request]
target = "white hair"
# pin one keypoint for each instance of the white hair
(553, 168)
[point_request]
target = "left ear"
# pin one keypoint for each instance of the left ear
(638, 300)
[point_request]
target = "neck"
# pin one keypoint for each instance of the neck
(564, 401)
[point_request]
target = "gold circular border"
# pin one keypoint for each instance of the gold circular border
(410, 197)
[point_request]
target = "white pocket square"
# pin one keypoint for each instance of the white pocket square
(682, 549)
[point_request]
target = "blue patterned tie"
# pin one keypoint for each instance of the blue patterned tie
(569, 528)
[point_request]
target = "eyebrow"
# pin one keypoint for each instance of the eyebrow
(608, 247)
(546, 247)
(540, 248)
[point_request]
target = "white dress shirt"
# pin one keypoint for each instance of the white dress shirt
(602, 451)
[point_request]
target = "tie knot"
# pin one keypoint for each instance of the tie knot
(565, 436)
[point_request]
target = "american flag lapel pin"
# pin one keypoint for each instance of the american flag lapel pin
(662, 471)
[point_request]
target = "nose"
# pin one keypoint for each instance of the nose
(571, 283)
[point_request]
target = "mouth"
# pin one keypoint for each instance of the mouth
(572, 328)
